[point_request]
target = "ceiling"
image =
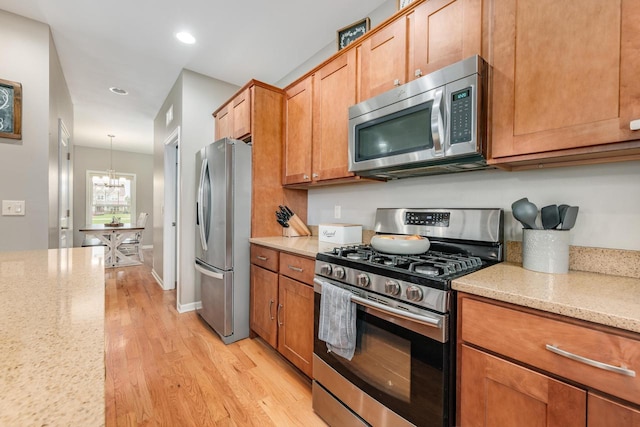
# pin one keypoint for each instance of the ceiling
(132, 45)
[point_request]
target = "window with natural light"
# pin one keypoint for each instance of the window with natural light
(110, 198)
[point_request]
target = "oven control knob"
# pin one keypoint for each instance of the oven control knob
(363, 280)
(339, 273)
(325, 270)
(414, 293)
(392, 287)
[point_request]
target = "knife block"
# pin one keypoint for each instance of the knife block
(296, 228)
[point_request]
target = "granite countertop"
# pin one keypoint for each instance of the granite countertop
(599, 298)
(52, 310)
(307, 246)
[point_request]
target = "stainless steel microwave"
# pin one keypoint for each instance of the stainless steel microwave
(435, 124)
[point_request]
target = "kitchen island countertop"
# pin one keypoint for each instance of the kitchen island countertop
(599, 298)
(52, 311)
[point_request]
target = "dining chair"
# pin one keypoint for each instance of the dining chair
(133, 245)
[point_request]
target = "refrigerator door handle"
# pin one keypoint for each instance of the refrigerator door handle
(200, 213)
(209, 272)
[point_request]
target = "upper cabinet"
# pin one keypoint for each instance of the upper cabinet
(316, 123)
(442, 32)
(383, 59)
(565, 80)
(233, 120)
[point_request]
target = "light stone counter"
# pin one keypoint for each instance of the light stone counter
(600, 298)
(52, 311)
(307, 246)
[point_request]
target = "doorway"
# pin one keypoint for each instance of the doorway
(65, 223)
(171, 217)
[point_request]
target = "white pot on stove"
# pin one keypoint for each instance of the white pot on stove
(399, 244)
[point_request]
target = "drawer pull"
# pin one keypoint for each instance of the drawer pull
(298, 269)
(262, 258)
(590, 362)
(270, 305)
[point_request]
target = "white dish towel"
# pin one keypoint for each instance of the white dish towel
(337, 324)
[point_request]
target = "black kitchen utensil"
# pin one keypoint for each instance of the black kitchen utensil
(550, 217)
(569, 218)
(286, 212)
(562, 210)
(289, 211)
(525, 212)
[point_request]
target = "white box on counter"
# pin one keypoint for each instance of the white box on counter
(340, 233)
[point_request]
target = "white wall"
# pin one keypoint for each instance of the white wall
(60, 107)
(24, 164)
(199, 96)
(97, 159)
(608, 196)
(375, 17)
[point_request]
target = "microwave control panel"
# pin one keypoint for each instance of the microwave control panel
(430, 219)
(461, 116)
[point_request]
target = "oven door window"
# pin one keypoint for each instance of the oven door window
(401, 132)
(401, 369)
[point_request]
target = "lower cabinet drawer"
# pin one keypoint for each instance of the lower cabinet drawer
(601, 360)
(265, 257)
(296, 267)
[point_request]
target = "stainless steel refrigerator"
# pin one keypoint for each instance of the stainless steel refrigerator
(223, 228)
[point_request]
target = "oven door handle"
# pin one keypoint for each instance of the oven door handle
(425, 320)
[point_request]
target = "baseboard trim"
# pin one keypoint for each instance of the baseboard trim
(158, 279)
(192, 306)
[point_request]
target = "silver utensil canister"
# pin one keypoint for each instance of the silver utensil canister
(546, 251)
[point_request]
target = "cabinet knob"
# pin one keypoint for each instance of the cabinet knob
(418, 72)
(314, 175)
(634, 124)
(305, 177)
(396, 82)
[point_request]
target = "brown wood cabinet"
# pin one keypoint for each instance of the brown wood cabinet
(383, 59)
(316, 139)
(495, 392)
(565, 84)
(511, 374)
(233, 120)
(442, 32)
(281, 309)
(255, 114)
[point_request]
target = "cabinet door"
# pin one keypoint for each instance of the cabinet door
(297, 153)
(241, 105)
(224, 123)
(442, 32)
(606, 413)
(383, 60)
(565, 75)
(494, 392)
(295, 320)
(334, 91)
(264, 304)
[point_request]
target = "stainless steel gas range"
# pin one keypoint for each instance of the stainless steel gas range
(403, 370)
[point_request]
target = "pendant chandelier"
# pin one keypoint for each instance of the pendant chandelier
(111, 181)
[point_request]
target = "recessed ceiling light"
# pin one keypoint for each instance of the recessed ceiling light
(118, 91)
(185, 37)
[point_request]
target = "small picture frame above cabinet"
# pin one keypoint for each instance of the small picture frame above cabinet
(404, 3)
(350, 33)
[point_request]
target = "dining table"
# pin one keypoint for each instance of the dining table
(112, 236)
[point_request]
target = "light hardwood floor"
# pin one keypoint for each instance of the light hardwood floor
(168, 369)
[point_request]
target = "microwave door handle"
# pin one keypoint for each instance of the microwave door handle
(437, 123)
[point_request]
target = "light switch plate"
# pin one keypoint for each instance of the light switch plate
(13, 207)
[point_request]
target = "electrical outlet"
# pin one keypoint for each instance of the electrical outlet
(13, 207)
(336, 211)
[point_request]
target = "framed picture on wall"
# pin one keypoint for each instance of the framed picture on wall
(350, 33)
(10, 109)
(404, 3)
